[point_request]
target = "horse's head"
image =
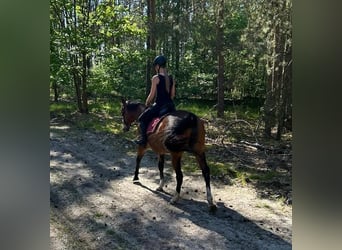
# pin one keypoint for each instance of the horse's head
(130, 113)
(125, 115)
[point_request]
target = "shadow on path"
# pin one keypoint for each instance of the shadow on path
(233, 226)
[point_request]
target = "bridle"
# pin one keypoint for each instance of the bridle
(128, 118)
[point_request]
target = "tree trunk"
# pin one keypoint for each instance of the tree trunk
(55, 90)
(153, 24)
(220, 62)
(77, 83)
(177, 47)
(150, 42)
(270, 105)
(84, 108)
(281, 85)
(278, 98)
(288, 91)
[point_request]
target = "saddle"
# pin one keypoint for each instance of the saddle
(153, 124)
(164, 111)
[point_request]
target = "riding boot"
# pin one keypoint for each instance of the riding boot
(142, 141)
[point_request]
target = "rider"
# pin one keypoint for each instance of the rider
(162, 93)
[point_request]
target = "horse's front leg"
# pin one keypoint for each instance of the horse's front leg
(161, 160)
(140, 154)
(176, 163)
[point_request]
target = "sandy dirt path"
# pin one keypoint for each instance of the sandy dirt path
(95, 205)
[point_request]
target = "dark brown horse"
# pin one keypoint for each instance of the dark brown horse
(175, 133)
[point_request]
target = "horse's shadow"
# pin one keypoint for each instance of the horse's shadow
(233, 226)
(163, 194)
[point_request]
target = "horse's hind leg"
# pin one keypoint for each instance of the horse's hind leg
(161, 161)
(140, 154)
(176, 163)
(201, 159)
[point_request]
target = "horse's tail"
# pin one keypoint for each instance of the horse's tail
(179, 139)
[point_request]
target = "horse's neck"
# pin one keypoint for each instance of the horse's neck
(141, 109)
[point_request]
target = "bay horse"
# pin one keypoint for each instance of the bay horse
(173, 134)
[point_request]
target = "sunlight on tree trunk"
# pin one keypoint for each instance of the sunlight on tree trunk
(220, 61)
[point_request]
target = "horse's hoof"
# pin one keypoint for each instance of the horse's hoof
(174, 199)
(136, 181)
(160, 189)
(212, 208)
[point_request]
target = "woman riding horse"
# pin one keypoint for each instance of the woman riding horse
(163, 92)
(175, 133)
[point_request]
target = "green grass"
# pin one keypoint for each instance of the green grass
(62, 107)
(103, 116)
(105, 107)
(242, 112)
(200, 109)
(217, 166)
(189, 163)
(221, 168)
(264, 176)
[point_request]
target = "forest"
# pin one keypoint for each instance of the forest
(222, 53)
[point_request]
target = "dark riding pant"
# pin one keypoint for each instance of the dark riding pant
(156, 111)
(150, 113)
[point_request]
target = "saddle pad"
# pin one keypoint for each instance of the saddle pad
(152, 125)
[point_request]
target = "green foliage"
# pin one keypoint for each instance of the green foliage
(97, 30)
(112, 35)
(122, 74)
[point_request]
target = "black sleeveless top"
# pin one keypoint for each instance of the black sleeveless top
(163, 97)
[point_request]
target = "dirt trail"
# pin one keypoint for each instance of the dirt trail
(95, 205)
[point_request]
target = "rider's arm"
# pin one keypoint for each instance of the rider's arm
(153, 91)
